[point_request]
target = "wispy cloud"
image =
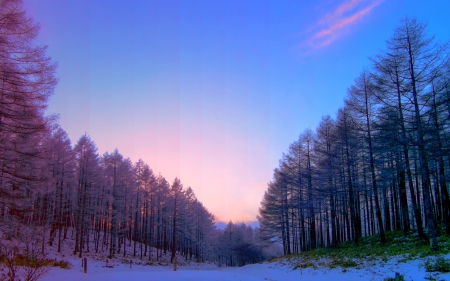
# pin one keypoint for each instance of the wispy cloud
(343, 8)
(331, 26)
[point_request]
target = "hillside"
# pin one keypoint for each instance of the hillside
(406, 254)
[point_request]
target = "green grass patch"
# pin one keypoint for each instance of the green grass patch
(439, 264)
(344, 263)
(348, 254)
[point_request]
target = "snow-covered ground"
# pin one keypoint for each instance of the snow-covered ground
(412, 270)
(161, 269)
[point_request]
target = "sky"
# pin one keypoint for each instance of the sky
(212, 91)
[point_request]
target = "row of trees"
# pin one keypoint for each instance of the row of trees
(45, 182)
(103, 203)
(382, 164)
(107, 200)
(108, 204)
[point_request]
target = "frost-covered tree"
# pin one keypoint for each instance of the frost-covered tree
(26, 81)
(62, 182)
(383, 164)
(88, 181)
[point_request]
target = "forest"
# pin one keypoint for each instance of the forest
(382, 163)
(52, 191)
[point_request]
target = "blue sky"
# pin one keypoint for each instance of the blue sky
(212, 91)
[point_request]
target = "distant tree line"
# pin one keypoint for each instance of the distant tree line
(383, 163)
(104, 203)
(240, 244)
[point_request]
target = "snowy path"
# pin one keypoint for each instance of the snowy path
(258, 272)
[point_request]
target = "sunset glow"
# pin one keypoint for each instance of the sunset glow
(211, 92)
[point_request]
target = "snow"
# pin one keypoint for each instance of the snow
(277, 271)
(187, 270)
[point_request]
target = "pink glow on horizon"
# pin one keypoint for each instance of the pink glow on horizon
(227, 170)
(213, 169)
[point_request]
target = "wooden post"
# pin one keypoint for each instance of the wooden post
(85, 264)
(175, 264)
(301, 266)
(131, 262)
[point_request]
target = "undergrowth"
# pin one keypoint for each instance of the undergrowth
(349, 254)
(439, 264)
(398, 277)
(62, 264)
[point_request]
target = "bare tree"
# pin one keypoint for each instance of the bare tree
(26, 81)
(361, 102)
(421, 56)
